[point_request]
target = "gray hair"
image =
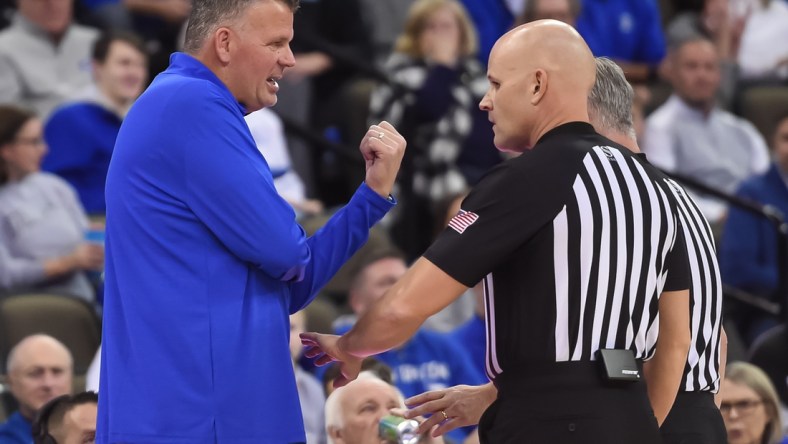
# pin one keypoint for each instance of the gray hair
(675, 45)
(333, 411)
(610, 100)
(207, 15)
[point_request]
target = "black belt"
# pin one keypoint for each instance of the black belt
(690, 399)
(551, 375)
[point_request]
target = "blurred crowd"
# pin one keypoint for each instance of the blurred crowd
(711, 79)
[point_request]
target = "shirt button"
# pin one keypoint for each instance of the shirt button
(572, 427)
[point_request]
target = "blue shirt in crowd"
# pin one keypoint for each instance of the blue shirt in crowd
(473, 336)
(16, 430)
(492, 19)
(204, 264)
(431, 361)
(81, 138)
(625, 30)
(749, 253)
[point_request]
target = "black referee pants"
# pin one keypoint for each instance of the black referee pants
(694, 419)
(567, 403)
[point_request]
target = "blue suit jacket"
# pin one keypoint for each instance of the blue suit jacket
(748, 249)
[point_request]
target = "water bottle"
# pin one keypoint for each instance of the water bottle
(398, 430)
(95, 235)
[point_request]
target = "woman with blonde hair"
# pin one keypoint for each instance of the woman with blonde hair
(750, 407)
(436, 86)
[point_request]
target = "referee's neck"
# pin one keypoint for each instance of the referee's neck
(550, 123)
(625, 140)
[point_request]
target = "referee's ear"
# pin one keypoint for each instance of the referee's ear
(538, 86)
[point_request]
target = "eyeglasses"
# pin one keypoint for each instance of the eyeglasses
(744, 407)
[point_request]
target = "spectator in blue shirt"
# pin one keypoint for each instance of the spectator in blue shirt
(627, 31)
(492, 18)
(81, 134)
(473, 333)
(429, 360)
(749, 248)
(205, 261)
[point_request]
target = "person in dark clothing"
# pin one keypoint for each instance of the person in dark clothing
(437, 83)
(578, 242)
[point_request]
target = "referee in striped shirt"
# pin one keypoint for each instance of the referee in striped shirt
(578, 244)
(694, 417)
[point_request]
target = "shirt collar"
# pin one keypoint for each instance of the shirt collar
(93, 95)
(28, 27)
(686, 112)
(570, 128)
(186, 65)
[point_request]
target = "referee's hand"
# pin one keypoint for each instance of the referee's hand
(325, 348)
(457, 406)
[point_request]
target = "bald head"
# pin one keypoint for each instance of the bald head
(540, 75)
(353, 412)
(551, 45)
(39, 368)
(30, 347)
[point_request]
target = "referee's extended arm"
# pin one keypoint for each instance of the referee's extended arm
(423, 291)
(664, 371)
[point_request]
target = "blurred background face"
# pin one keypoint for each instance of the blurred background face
(780, 145)
(42, 371)
(560, 10)
(696, 73)
(123, 74)
(364, 402)
(744, 413)
(715, 9)
(24, 154)
(441, 26)
(375, 281)
(53, 16)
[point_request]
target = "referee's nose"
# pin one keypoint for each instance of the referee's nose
(486, 103)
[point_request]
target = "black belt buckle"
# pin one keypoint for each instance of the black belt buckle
(618, 365)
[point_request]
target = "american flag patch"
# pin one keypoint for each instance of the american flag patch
(462, 221)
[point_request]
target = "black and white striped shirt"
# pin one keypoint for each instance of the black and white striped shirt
(702, 371)
(575, 240)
